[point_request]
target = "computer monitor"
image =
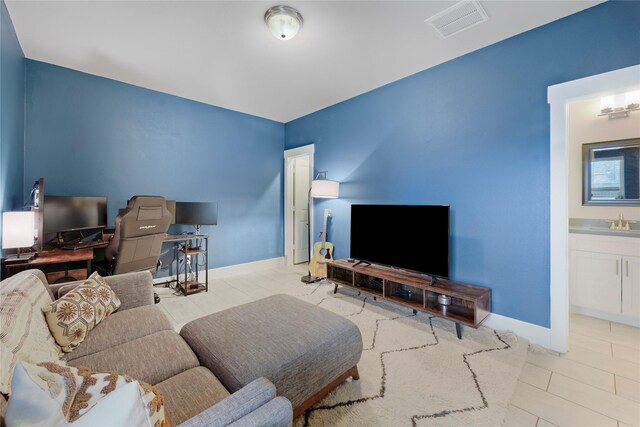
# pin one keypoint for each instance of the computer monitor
(65, 213)
(196, 213)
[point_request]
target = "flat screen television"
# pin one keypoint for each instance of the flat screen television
(65, 213)
(196, 213)
(404, 236)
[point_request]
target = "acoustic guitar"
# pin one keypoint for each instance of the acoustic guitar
(322, 251)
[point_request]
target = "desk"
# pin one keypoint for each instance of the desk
(76, 264)
(185, 237)
(61, 265)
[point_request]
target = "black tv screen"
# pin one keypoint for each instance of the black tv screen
(64, 213)
(196, 213)
(409, 237)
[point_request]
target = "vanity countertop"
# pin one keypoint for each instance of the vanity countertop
(603, 231)
(599, 227)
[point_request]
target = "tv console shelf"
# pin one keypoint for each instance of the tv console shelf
(470, 304)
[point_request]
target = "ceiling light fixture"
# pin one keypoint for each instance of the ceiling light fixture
(284, 22)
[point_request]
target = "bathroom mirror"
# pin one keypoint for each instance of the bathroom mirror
(611, 173)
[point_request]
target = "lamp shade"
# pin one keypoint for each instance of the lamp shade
(18, 229)
(325, 189)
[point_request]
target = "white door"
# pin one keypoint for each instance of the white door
(595, 281)
(631, 286)
(300, 209)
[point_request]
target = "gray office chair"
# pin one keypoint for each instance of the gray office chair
(140, 230)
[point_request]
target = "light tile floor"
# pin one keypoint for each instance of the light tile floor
(597, 383)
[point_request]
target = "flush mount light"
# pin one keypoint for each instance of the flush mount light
(284, 22)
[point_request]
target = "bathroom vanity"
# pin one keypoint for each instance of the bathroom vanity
(605, 273)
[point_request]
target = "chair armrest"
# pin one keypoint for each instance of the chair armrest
(133, 289)
(275, 413)
(233, 408)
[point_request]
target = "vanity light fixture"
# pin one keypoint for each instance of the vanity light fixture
(631, 101)
(284, 22)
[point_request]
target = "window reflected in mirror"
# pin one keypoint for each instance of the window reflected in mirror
(611, 173)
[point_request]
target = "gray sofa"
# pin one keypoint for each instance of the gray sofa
(139, 341)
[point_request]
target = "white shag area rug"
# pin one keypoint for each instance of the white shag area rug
(414, 371)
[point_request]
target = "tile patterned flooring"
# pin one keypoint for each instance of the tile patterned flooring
(597, 383)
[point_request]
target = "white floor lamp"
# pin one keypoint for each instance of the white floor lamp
(321, 188)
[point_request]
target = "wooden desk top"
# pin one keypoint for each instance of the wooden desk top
(63, 255)
(57, 255)
(54, 256)
(184, 237)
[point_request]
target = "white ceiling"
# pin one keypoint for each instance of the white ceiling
(221, 52)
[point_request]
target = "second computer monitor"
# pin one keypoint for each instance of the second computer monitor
(196, 213)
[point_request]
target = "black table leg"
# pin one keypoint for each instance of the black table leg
(459, 330)
(335, 289)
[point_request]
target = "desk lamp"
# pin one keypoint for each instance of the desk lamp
(321, 188)
(18, 231)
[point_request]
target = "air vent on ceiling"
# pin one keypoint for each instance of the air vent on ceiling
(459, 17)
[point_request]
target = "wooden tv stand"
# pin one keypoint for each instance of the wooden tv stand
(470, 304)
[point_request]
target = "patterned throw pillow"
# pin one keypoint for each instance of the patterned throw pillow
(52, 394)
(71, 317)
(24, 334)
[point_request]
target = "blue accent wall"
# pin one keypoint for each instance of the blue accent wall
(472, 133)
(12, 98)
(91, 136)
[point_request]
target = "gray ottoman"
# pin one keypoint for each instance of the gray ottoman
(304, 350)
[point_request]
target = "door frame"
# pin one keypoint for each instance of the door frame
(289, 156)
(558, 96)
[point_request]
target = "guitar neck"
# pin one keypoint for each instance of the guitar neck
(324, 228)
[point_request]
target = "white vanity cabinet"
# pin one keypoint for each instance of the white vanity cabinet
(604, 274)
(631, 286)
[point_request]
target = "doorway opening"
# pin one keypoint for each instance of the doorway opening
(559, 96)
(298, 166)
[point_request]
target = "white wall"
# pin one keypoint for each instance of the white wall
(583, 127)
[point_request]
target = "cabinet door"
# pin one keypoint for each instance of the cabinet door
(595, 281)
(631, 286)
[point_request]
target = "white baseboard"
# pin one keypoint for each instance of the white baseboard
(534, 333)
(618, 318)
(232, 270)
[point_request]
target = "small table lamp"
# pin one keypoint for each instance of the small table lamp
(18, 232)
